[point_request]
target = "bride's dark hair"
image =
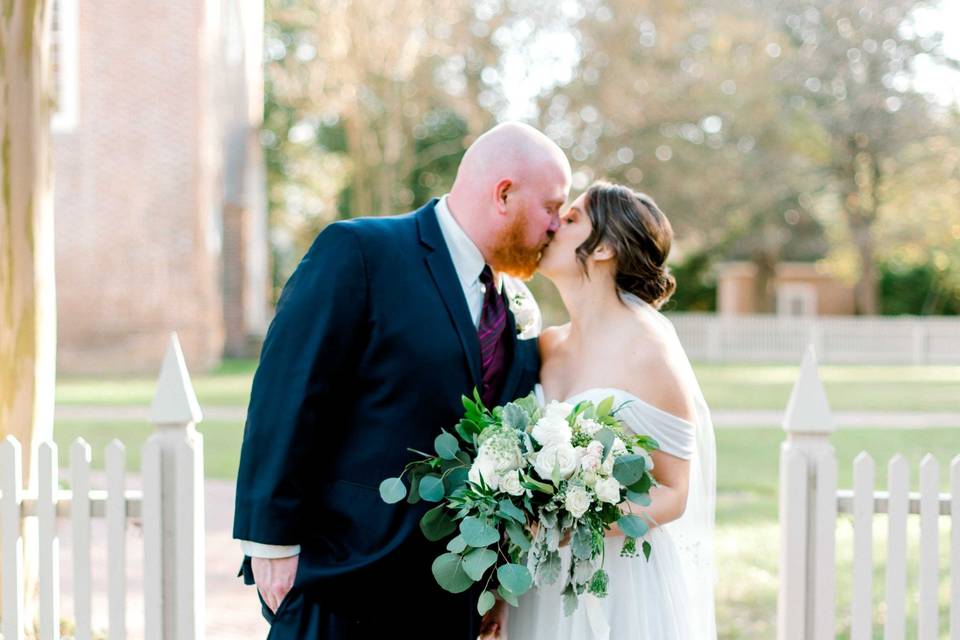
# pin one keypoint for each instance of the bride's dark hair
(640, 235)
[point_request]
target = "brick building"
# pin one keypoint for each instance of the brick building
(798, 289)
(159, 181)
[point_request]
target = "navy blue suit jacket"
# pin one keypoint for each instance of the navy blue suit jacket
(369, 353)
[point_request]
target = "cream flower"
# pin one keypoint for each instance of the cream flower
(608, 490)
(562, 456)
(577, 501)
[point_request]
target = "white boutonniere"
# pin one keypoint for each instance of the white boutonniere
(525, 309)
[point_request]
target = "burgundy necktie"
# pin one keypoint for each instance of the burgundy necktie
(491, 332)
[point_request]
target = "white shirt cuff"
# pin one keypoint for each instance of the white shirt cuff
(260, 550)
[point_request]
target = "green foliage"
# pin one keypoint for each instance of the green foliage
(918, 289)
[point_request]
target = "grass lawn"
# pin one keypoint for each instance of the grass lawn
(221, 443)
(728, 386)
(747, 534)
(227, 385)
(849, 387)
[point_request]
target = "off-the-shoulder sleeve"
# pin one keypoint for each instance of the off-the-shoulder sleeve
(675, 435)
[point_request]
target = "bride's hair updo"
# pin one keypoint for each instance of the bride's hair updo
(640, 235)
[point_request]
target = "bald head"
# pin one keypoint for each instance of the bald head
(511, 150)
(508, 192)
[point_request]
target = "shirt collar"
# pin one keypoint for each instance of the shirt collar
(467, 259)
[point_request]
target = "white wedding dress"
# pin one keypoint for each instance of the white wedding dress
(669, 597)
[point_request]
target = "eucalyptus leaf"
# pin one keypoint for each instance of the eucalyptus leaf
(414, 495)
(510, 510)
(642, 485)
(606, 438)
(437, 524)
(517, 535)
(508, 597)
(629, 468)
(486, 602)
(477, 561)
(478, 533)
(450, 574)
(457, 478)
(642, 499)
(446, 446)
(633, 526)
(515, 578)
(392, 490)
(456, 545)
(431, 488)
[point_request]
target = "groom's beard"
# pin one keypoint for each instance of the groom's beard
(511, 255)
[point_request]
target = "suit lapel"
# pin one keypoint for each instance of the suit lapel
(440, 265)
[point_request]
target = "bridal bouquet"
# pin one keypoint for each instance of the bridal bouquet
(516, 481)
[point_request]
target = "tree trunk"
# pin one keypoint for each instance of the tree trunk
(861, 206)
(27, 288)
(764, 292)
(865, 290)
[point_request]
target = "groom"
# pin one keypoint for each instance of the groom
(385, 323)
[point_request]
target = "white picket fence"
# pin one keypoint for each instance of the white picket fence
(709, 337)
(170, 507)
(809, 505)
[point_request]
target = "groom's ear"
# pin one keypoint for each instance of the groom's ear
(503, 189)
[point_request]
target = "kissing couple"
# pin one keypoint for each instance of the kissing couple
(388, 321)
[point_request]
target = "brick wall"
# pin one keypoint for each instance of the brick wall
(137, 217)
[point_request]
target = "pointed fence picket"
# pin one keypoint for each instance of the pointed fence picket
(809, 506)
(170, 506)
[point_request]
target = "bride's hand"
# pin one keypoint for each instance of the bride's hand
(494, 623)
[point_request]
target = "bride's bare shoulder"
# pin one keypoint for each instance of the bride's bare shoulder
(551, 338)
(655, 373)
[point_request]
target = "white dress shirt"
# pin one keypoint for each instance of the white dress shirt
(468, 263)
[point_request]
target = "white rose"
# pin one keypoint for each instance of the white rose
(510, 482)
(589, 426)
(483, 467)
(592, 457)
(551, 430)
(561, 455)
(578, 501)
(608, 490)
(557, 410)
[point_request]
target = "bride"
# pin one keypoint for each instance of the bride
(608, 261)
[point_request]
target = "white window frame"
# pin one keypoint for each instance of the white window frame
(64, 118)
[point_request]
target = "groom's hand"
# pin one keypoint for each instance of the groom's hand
(274, 578)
